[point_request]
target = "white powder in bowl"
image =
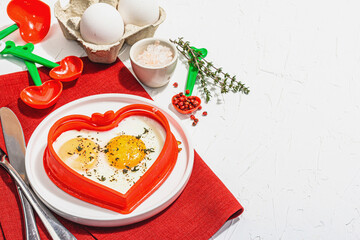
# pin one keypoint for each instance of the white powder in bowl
(155, 55)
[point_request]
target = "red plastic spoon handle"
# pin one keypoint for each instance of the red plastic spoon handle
(10, 48)
(8, 30)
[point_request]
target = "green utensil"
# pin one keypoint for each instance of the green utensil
(42, 95)
(10, 48)
(34, 73)
(193, 71)
(8, 30)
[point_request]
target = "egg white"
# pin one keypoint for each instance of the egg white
(110, 176)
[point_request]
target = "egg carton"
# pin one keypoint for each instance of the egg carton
(69, 17)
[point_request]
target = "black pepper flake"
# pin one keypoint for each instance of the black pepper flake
(124, 171)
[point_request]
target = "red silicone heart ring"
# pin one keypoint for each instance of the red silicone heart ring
(85, 189)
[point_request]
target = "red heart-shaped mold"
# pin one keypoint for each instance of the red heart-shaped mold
(42, 96)
(70, 69)
(32, 17)
(95, 193)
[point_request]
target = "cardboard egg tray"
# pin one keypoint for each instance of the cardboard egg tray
(69, 17)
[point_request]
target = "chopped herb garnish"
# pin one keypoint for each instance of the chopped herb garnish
(148, 150)
(102, 178)
(79, 148)
(135, 169)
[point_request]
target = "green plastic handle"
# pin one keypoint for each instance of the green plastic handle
(192, 75)
(10, 48)
(34, 73)
(8, 30)
(193, 72)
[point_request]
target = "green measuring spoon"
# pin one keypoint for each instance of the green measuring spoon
(7, 31)
(33, 71)
(42, 95)
(193, 71)
(69, 69)
(9, 48)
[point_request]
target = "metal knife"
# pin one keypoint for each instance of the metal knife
(15, 144)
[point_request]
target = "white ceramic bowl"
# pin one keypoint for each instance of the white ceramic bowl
(148, 75)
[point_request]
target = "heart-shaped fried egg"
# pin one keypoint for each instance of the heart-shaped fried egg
(116, 158)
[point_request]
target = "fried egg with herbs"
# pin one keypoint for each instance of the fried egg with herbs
(116, 158)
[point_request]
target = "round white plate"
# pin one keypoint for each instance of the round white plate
(85, 213)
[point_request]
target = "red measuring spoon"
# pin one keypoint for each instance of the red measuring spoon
(185, 104)
(42, 95)
(31, 16)
(69, 68)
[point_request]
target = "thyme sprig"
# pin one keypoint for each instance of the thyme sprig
(207, 71)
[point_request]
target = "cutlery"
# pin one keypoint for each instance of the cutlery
(56, 230)
(42, 95)
(16, 155)
(32, 19)
(193, 71)
(69, 69)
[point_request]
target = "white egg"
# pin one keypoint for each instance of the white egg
(139, 12)
(150, 132)
(101, 24)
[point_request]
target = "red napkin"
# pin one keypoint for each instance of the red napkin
(203, 207)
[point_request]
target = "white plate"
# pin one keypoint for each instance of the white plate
(85, 213)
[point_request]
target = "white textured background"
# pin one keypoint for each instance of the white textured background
(290, 150)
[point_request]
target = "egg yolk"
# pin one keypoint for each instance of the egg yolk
(125, 151)
(79, 153)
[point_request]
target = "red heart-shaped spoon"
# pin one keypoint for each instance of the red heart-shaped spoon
(32, 17)
(184, 104)
(70, 69)
(42, 95)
